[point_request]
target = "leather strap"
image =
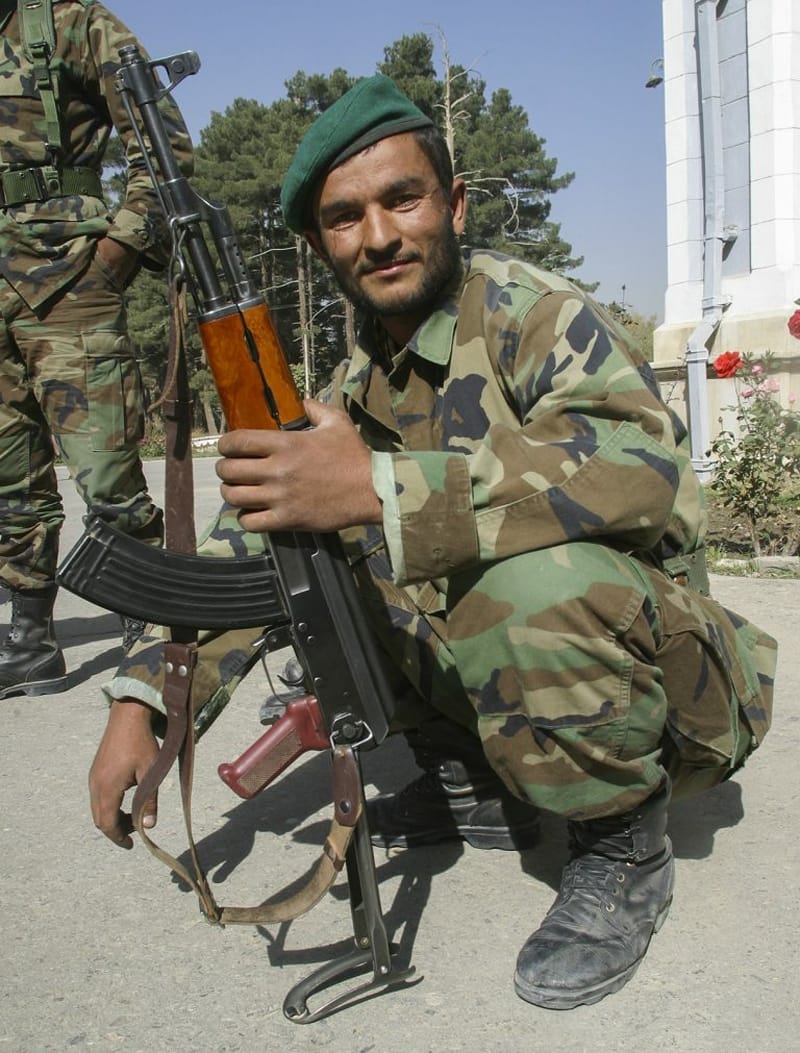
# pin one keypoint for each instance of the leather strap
(179, 662)
(279, 908)
(176, 401)
(180, 653)
(180, 657)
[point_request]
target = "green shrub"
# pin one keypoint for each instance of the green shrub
(153, 445)
(756, 469)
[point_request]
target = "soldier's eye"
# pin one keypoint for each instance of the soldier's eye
(405, 201)
(342, 220)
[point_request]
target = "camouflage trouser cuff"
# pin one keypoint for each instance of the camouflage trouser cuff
(127, 687)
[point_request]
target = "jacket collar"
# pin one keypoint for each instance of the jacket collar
(433, 341)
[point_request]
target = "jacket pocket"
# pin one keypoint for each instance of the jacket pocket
(718, 671)
(114, 391)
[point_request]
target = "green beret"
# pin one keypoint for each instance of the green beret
(372, 109)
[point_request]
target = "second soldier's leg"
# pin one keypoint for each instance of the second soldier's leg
(86, 378)
(31, 515)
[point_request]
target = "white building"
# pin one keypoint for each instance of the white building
(732, 107)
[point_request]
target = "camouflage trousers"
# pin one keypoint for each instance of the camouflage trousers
(69, 380)
(552, 657)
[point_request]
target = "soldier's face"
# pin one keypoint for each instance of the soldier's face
(389, 232)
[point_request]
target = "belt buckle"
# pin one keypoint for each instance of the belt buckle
(39, 183)
(47, 185)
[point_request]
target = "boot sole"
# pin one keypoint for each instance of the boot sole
(521, 838)
(546, 998)
(37, 687)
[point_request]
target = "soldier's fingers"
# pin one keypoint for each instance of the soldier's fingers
(243, 471)
(123, 830)
(107, 815)
(249, 443)
(241, 496)
(118, 829)
(150, 813)
(261, 522)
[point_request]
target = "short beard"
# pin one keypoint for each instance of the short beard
(441, 278)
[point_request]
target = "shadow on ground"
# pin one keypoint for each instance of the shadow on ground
(291, 807)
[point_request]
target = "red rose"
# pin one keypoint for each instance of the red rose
(728, 363)
(794, 325)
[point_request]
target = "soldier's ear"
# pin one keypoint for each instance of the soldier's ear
(458, 205)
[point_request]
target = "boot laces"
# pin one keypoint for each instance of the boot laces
(597, 875)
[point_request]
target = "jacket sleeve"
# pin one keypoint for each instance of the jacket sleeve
(593, 454)
(223, 658)
(139, 223)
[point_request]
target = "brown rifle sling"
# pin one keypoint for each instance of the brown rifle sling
(180, 653)
(180, 657)
(176, 400)
(179, 741)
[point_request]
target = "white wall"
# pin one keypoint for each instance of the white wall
(761, 93)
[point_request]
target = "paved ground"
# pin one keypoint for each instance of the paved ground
(102, 951)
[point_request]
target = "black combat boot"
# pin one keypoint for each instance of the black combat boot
(31, 662)
(615, 893)
(458, 797)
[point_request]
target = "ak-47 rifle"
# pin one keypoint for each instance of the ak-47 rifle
(301, 592)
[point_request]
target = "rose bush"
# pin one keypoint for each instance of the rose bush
(794, 324)
(756, 471)
(727, 364)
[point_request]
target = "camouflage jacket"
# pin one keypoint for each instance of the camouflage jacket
(519, 416)
(43, 245)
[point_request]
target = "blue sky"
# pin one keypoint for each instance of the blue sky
(578, 68)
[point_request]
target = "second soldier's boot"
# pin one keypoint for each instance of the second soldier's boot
(458, 797)
(31, 662)
(615, 893)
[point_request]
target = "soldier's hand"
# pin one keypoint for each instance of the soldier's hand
(121, 260)
(126, 752)
(318, 479)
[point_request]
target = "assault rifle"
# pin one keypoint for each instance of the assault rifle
(301, 592)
